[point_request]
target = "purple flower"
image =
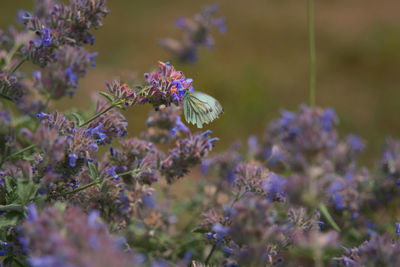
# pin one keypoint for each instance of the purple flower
(287, 117)
(72, 76)
(32, 213)
(148, 199)
(36, 43)
(176, 98)
(37, 77)
(220, 229)
(46, 38)
(93, 218)
(338, 200)
(41, 115)
(23, 16)
(205, 166)
(72, 160)
(112, 172)
(275, 187)
(180, 22)
(397, 228)
(91, 58)
(180, 126)
(328, 118)
(97, 131)
(220, 23)
(355, 142)
(196, 32)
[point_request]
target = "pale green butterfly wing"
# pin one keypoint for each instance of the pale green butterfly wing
(200, 108)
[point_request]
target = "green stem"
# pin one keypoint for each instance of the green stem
(90, 185)
(97, 115)
(12, 207)
(17, 153)
(311, 47)
(18, 65)
(237, 198)
(19, 262)
(210, 254)
(10, 55)
(5, 96)
(331, 221)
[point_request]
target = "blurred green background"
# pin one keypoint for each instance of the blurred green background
(261, 64)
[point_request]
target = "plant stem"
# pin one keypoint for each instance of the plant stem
(331, 221)
(12, 207)
(97, 115)
(18, 65)
(17, 153)
(210, 254)
(90, 185)
(311, 47)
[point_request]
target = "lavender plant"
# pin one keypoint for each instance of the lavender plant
(196, 32)
(76, 189)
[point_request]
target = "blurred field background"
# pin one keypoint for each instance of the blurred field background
(261, 64)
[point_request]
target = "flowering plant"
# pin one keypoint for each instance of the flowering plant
(78, 190)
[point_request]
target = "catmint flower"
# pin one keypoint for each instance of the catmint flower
(328, 119)
(122, 92)
(380, 250)
(112, 172)
(72, 238)
(164, 125)
(32, 213)
(97, 132)
(113, 124)
(46, 38)
(72, 77)
(397, 228)
(179, 127)
(355, 142)
(220, 230)
(187, 153)
(303, 136)
(23, 16)
(139, 155)
(148, 199)
(164, 86)
(72, 160)
(37, 78)
(196, 32)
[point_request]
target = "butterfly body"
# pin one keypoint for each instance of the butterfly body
(200, 108)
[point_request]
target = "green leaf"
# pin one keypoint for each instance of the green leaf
(199, 230)
(6, 97)
(93, 170)
(328, 217)
(108, 96)
(77, 117)
(10, 218)
(26, 191)
(20, 153)
(12, 207)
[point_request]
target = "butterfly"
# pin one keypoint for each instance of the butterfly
(200, 108)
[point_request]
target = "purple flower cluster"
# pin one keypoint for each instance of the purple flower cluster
(53, 38)
(108, 126)
(380, 250)
(164, 86)
(388, 180)
(67, 181)
(77, 239)
(187, 154)
(139, 155)
(196, 32)
(300, 139)
(164, 125)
